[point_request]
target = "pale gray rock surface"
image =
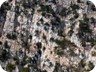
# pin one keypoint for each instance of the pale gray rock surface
(48, 35)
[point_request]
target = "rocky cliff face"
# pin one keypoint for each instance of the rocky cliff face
(48, 36)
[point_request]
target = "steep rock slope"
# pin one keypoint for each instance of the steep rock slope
(48, 35)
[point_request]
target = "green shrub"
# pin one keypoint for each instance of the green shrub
(24, 69)
(10, 67)
(90, 66)
(64, 43)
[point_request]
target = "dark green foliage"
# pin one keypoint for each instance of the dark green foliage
(25, 69)
(58, 68)
(27, 4)
(91, 66)
(74, 6)
(93, 20)
(61, 43)
(85, 33)
(43, 13)
(10, 67)
(6, 6)
(25, 45)
(5, 55)
(59, 51)
(60, 33)
(70, 32)
(3, 11)
(39, 45)
(64, 43)
(82, 63)
(64, 47)
(35, 69)
(11, 36)
(46, 8)
(6, 44)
